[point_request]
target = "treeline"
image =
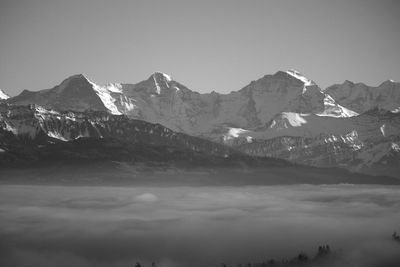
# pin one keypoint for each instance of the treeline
(323, 256)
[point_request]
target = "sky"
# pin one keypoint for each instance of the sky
(205, 45)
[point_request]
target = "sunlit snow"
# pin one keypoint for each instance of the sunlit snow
(3, 95)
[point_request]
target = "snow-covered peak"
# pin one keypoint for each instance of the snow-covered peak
(161, 80)
(3, 95)
(299, 76)
(165, 76)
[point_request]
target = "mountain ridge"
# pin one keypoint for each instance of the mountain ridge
(270, 108)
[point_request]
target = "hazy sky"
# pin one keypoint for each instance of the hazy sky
(206, 45)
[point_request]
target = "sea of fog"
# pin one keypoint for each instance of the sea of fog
(195, 226)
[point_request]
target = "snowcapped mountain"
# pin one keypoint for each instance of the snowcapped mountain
(3, 95)
(283, 115)
(74, 93)
(361, 98)
(160, 99)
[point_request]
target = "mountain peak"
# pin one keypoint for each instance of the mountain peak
(348, 82)
(76, 76)
(79, 76)
(3, 95)
(162, 75)
(389, 82)
(161, 81)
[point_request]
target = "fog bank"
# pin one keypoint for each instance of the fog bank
(194, 226)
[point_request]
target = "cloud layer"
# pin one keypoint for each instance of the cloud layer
(196, 226)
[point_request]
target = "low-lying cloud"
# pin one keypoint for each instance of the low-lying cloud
(194, 226)
(147, 197)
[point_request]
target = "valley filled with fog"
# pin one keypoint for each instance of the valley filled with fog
(42, 225)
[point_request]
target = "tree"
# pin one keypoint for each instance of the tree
(302, 257)
(396, 236)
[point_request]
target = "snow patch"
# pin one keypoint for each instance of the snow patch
(396, 147)
(114, 87)
(167, 77)
(56, 136)
(129, 105)
(3, 95)
(332, 109)
(272, 124)
(157, 86)
(294, 119)
(42, 111)
(352, 140)
(396, 110)
(233, 133)
(382, 128)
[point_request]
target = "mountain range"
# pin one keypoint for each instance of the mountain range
(285, 116)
